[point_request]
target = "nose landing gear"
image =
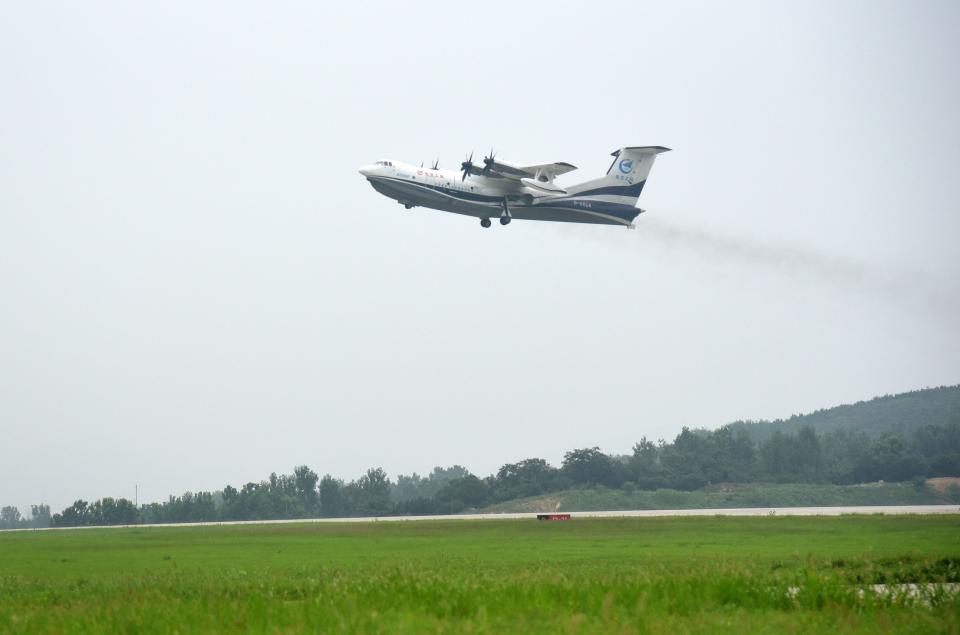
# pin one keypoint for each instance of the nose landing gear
(485, 222)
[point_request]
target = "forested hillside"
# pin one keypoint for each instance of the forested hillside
(899, 414)
(904, 438)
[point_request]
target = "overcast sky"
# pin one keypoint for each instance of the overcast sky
(198, 288)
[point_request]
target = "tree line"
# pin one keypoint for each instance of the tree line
(10, 517)
(694, 459)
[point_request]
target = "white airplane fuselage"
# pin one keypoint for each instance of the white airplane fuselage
(448, 191)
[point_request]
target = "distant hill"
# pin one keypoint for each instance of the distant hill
(898, 414)
(734, 496)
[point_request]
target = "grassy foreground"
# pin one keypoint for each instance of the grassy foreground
(720, 574)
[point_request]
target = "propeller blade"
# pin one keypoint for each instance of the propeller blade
(488, 162)
(467, 166)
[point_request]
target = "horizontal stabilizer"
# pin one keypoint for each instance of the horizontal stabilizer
(641, 150)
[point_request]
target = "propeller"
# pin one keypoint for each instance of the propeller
(467, 166)
(436, 165)
(488, 162)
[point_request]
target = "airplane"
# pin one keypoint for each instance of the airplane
(498, 188)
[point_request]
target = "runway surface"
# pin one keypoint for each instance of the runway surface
(891, 510)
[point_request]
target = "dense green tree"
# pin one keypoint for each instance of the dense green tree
(590, 466)
(890, 459)
(460, 493)
(110, 511)
(407, 488)
(528, 477)
(690, 461)
(373, 493)
(776, 456)
(40, 515)
(190, 507)
(807, 456)
(283, 497)
(9, 517)
(253, 502)
(230, 494)
(73, 516)
(842, 451)
(305, 486)
(944, 465)
(736, 456)
(333, 502)
(645, 466)
(415, 486)
(939, 447)
(794, 458)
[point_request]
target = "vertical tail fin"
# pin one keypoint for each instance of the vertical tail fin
(625, 178)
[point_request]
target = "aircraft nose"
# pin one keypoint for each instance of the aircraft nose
(367, 170)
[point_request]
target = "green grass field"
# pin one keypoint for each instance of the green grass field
(495, 576)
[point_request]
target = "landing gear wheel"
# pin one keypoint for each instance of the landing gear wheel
(408, 206)
(505, 214)
(485, 222)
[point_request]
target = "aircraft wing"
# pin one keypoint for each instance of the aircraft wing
(551, 169)
(543, 172)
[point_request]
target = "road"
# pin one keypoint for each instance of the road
(893, 510)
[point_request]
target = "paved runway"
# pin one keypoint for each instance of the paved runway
(893, 510)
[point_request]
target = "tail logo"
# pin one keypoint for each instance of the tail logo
(626, 166)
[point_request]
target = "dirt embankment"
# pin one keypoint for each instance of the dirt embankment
(943, 483)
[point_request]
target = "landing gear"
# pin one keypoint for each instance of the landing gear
(408, 206)
(505, 217)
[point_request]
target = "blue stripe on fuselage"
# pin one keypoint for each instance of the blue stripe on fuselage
(626, 212)
(572, 202)
(616, 190)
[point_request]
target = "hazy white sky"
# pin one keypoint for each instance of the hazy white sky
(198, 288)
